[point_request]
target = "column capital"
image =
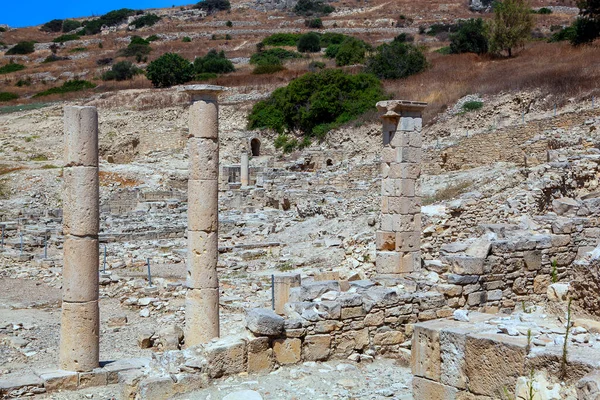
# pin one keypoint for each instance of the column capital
(394, 109)
(203, 92)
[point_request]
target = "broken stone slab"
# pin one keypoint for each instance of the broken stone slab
(264, 322)
(10, 383)
(312, 290)
(59, 380)
(456, 279)
(226, 356)
(464, 264)
(588, 387)
(114, 368)
(558, 291)
(565, 206)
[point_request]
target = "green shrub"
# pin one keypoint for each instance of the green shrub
(329, 38)
(229, 24)
(444, 50)
(24, 82)
(315, 23)
(170, 69)
(205, 76)
(312, 7)
(436, 29)
(21, 48)
(543, 11)
(121, 71)
(2, 29)
(68, 86)
(66, 38)
(316, 66)
(332, 50)
(228, 37)
(396, 60)
(213, 62)
(139, 51)
(282, 39)
(53, 58)
(567, 33)
(470, 37)
(268, 56)
(145, 20)
(78, 49)
(152, 38)
(186, 39)
(55, 25)
(285, 143)
(111, 18)
(7, 96)
(268, 68)
(309, 43)
(472, 105)
(139, 40)
(11, 67)
(317, 102)
(404, 38)
(351, 51)
(70, 25)
(211, 6)
(585, 30)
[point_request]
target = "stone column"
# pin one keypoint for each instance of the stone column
(245, 169)
(80, 320)
(399, 240)
(202, 300)
(282, 283)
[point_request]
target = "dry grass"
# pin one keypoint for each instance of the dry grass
(107, 178)
(7, 169)
(556, 69)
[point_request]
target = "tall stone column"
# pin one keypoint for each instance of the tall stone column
(80, 320)
(399, 240)
(202, 300)
(245, 169)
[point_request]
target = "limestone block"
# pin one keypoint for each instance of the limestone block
(97, 377)
(80, 269)
(79, 339)
(387, 262)
(389, 154)
(410, 155)
(589, 324)
(203, 158)
(264, 322)
(425, 355)
(204, 120)
(203, 252)
(226, 356)
(425, 389)
(388, 338)
(124, 364)
(476, 298)
(81, 136)
(453, 340)
(416, 140)
(260, 355)
(494, 362)
(316, 347)
(385, 241)
(463, 264)
(352, 312)
(201, 316)
(59, 380)
(406, 124)
(287, 351)
(403, 205)
(410, 262)
(588, 387)
(400, 139)
(404, 170)
(533, 260)
(203, 209)
(282, 283)
(80, 201)
(401, 223)
(408, 241)
(374, 319)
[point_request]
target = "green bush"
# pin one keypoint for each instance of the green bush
(55, 25)
(316, 66)
(315, 23)
(137, 50)
(21, 48)
(472, 105)
(396, 60)
(309, 43)
(332, 50)
(329, 38)
(152, 38)
(205, 76)
(317, 102)
(268, 68)
(53, 58)
(68, 86)
(213, 62)
(585, 30)
(11, 67)
(139, 40)
(24, 82)
(470, 37)
(7, 96)
(268, 56)
(170, 69)
(70, 25)
(186, 39)
(66, 38)
(444, 50)
(78, 49)
(282, 39)
(145, 20)
(568, 33)
(111, 18)
(351, 51)
(211, 6)
(404, 38)
(2, 29)
(543, 11)
(436, 29)
(229, 24)
(121, 71)
(312, 7)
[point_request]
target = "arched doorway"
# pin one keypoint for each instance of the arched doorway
(255, 147)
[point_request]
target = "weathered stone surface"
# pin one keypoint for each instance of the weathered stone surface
(260, 355)
(97, 377)
(243, 395)
(202, 260)
(262, 321)
(203, 205)
(204, 158)
(201, 316)
(425, 354)
(204, 119)
(59, 380)
(79, 349)
(316, 347)
(81, 136)
(80, 269)
(494, 362)
(588, 387)
(80, 201)
(287, 351)
(226, 356)
(425, 389)
(311, 290)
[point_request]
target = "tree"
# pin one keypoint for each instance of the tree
(511, 26)
(470, 38)
(351, 51)
(211, 6)
(213, 62)
(121, 71)
(309, 43)
(170, 69)
(21, 48)
(52, 26)
(587, 26)
(396, 60)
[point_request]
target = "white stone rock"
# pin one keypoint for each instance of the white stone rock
(243, 395)
(461, 315)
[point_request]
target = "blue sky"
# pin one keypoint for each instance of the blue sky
(36, 12)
